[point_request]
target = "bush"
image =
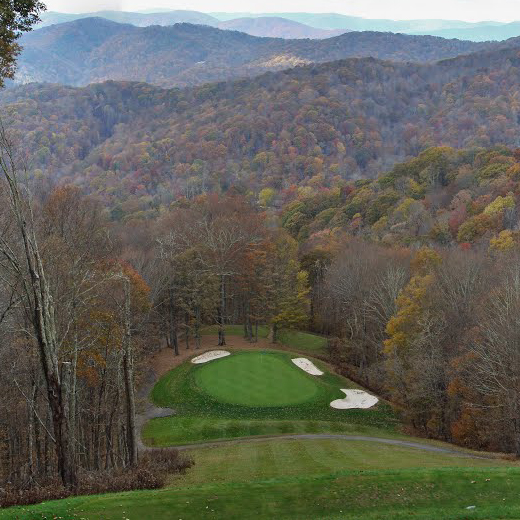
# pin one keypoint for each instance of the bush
(155, 466)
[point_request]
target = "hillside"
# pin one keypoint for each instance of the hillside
(137, 19)
(277, 27)
(142, 146)
(95, 50)
(480, 33)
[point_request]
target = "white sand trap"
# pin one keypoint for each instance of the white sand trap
(210, 356)
(307, 365)
(354, 399)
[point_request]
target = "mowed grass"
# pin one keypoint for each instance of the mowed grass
(298, 340)
(271, 459)
(255, 379)
(208, 404)
(311, 479)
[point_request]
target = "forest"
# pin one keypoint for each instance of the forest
(138, 148)
(413, 277)
(416, 276)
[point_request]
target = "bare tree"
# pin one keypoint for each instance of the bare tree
(20, 250)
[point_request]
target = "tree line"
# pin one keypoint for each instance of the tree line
(435, 331)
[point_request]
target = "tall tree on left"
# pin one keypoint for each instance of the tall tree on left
(22, 259)
(16, 17)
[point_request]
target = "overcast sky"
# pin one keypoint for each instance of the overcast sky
(471, 10)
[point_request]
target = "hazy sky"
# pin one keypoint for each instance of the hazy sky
(471, 10)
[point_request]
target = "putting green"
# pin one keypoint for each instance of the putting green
(256, 379)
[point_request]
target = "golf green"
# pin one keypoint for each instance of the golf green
(256, 379)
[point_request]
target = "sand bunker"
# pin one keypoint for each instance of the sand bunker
(354, 399)
(210, 356)
(307, 365)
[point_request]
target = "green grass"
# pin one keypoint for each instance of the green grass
(312, 479)
(302, 341)
(201, 416)
(256, 379)
(272, 459)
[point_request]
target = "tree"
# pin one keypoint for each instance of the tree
(22, 255)
(288, 287)
(16, 17)
(489, 370)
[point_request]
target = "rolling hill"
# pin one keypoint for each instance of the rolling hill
(94, 50)
(142, 146)
(277, 27)
(137, 19)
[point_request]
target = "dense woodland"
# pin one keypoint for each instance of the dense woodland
(95, 49)
(139, 148)
(85, 302)
(416, 275)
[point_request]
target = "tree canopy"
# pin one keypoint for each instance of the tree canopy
(16, 17)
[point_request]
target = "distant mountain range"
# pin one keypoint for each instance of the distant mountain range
(480, 31)
(276, 27)
(356, 23)
(480, 34)
(301, 25)
(271, 26)
(95, 49)
(138, 19)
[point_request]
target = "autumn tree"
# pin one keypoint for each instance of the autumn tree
(16, 17)
(288, 287)
(23, 259)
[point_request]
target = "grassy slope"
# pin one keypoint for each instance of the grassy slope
(301, 341)
(312, 479)
(201, 417)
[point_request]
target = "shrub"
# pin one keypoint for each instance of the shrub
(155, 466)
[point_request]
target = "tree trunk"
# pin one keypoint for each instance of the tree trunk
(221, 312)
(274, 333)
(66, 465)
(129, 377)
(40, 307)
(173, 329)
(31, 429)
(197, 327)
(187, 330)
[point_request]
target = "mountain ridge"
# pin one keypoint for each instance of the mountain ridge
(94, 49)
